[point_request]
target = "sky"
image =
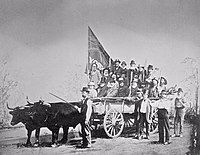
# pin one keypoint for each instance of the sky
(46, 40)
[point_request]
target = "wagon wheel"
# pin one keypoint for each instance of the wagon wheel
(153, 127)
(113, 123)
(129, 123)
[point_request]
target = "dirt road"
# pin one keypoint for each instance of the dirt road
(126, 144)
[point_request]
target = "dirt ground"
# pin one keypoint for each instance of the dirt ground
(11, 144)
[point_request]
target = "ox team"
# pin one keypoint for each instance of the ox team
(135, 83)
(53, 116)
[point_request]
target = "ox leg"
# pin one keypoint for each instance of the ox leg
(65, 135)
(37, 135)
(55, 136)
(28, 142)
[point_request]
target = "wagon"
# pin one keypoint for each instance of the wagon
(116, 114)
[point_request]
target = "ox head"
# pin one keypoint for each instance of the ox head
(19, 114)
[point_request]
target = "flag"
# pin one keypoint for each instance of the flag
(96, 53)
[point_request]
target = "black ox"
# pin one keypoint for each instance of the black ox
(52, 115)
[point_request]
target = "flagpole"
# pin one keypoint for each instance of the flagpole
(88, 57)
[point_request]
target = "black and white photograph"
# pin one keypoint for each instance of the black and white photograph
(109, 77)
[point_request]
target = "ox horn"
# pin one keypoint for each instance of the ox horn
(9, 107)
(27, 100)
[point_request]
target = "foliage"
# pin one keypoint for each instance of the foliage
(191, 83)
(6, 85)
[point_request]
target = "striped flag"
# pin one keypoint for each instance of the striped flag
(96, 53)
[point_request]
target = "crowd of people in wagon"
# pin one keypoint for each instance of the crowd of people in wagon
(139, 83)
(120, 81)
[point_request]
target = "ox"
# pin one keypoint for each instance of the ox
(52, 115)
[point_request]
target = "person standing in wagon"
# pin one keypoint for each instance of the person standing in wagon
(117, 68)
(95, 75)
(162, 85)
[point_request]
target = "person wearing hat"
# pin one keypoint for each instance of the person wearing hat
(123, 70)
(145, 115)
(153, 90)
(149, 75)
(162, 84)
(85, 111)
(91, 87)
(131, 72)
(102, 90)
(123, 90)
(179, 113)
(136, 100)
(134, 88)
(113, 86)
(163, 105)
(141, 76)
(117, 68)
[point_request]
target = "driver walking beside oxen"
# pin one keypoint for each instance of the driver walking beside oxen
(86, 111)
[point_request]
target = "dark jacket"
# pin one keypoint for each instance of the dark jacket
(129, 72)
(153, 92)
(123, 91)
(117, 71)
(84, 108)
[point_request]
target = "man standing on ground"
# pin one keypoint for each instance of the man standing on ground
(163, 106)
(179, 113)
(86, 111)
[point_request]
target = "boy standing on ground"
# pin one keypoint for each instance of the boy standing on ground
(145, 115)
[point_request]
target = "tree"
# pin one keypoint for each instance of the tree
(192, 80)
(6, 85)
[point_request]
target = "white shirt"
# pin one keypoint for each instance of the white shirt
(93, 93)
(89, 109)
(164, 103)
(144, 105)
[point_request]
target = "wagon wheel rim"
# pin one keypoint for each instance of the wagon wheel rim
(153, 126)
(113, 123)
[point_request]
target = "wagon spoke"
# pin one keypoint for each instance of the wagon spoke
(118, 126)
(108, 125)
(128, 123)
(119, 120)
(113, 114)
(109, 120)
(117, 116)
(109, 128)
(114, 131)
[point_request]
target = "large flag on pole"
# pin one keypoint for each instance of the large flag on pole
(96, 52)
